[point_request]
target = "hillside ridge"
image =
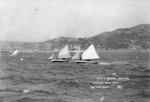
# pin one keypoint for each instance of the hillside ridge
(136, 37)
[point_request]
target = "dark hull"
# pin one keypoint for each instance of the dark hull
(58, 60)
(89, 62)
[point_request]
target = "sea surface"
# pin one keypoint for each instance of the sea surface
(36, 79)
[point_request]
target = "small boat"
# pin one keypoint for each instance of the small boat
(63, 55)
(14, 53)
(89, 56)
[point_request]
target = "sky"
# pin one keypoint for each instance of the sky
(40, 20)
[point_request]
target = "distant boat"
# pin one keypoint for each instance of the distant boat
(14, 53)
(89, 55)
(63, 55)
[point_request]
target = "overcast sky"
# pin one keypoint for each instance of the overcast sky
(39, 20)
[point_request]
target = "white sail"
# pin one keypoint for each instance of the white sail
(14, 53)
(76, 56)
(64, 53)
(90, 53)
(52, 56)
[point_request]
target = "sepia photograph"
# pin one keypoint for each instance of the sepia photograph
(74, 50)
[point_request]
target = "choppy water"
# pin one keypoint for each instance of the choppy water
(38, 80)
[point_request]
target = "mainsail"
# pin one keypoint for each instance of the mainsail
(64, 53)
(90, 53)
(14, 53)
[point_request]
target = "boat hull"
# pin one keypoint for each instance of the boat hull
(58, 60)
(82, 62)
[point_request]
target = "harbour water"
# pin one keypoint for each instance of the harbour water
(33, 79)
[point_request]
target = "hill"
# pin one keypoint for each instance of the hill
(137, 37)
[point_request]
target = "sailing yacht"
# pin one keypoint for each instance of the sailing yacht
(89, 56)
(63, 55)
(14, 53)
